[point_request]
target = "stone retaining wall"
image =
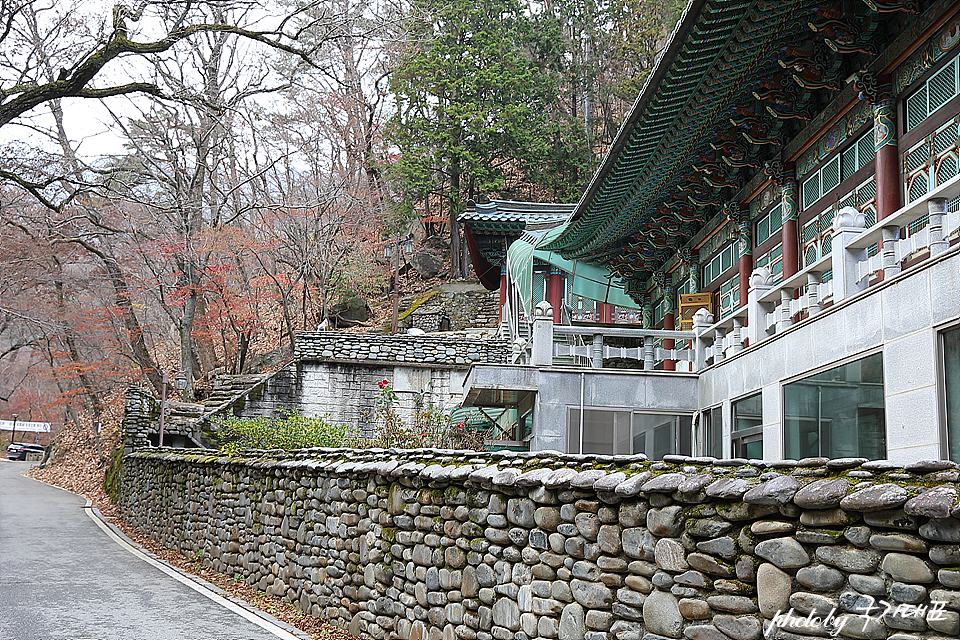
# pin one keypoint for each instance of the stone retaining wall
(456, 351)
(347, 393)
(442, 545)
(465, 306)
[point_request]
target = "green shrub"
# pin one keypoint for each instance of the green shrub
(292, 431)
(431, 426)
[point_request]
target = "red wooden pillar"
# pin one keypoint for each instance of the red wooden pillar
(790, 235)
(745, 252)
(887, 162)
(604, 312)
(669, 322)
(746, 268)
(878, 91)
(555, 294)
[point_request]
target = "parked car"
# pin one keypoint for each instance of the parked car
(19, 450)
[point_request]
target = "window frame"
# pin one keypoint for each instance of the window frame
(941, 371)
(703, 443)
(742, 437)
(817, 371)
(632, 412)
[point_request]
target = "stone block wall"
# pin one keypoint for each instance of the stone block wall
(140, 409)
(466, 306)
(441, 545)
(141, 419)
(458, 351)
(347, 393)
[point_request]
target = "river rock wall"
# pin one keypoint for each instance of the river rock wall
(440, 545)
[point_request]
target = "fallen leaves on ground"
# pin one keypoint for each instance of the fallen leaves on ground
(77, 470)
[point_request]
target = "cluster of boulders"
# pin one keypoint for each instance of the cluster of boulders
(336, 345)
(436, 544)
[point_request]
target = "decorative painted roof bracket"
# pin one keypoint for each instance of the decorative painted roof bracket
(783, 99)
(731, 152)
(814, 67)
(889, 6)
(755, 130)
(846, 34)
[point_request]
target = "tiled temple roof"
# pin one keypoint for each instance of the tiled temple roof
(736, 81)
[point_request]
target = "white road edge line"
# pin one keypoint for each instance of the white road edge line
(237, 609)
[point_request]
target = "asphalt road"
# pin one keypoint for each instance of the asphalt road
(63, 578)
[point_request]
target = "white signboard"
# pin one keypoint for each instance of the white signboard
(32, 427)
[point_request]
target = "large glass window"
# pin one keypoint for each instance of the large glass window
(837, 413)
(609, 432)
(711, 433)
(604, 431)
(747, 436)
(951, 383)
(658, 435)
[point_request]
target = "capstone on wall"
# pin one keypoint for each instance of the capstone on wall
(424, 350)
(441, 545)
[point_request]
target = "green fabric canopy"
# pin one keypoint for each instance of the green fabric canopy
(588, 280)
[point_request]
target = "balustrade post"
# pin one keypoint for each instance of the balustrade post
(516, 351)
(648, 359)
(737, 336)
(814, 304)
(891, 266)
(785, 315)
(701, 320)
(761, 281)
(719, 338)
(847, 225)
(542, 352)
(937, 210)
(596, 355)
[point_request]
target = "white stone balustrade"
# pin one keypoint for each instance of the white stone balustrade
(594, 350)
(772, 308)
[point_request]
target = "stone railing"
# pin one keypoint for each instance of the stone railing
(336, 345)
(544, 349)
(771, 308)
(479, 546)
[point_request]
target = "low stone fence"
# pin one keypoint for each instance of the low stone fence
(337, 345)
(440, 545)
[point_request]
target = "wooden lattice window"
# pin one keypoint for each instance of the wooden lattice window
(817, 234)
(729, 296)
(772, 260)
(930, 163)
(768, 224)
(942, 87)
(843, 165)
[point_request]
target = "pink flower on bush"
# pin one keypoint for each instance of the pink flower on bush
(460, 425)
(383, 384)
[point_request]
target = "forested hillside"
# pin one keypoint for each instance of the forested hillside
(183, 185)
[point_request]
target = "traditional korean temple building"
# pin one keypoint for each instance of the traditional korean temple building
(788, 178)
